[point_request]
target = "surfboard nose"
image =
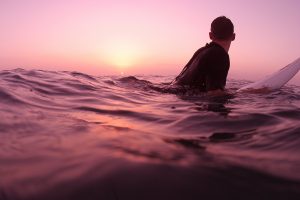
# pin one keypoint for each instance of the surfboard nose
(276, 80)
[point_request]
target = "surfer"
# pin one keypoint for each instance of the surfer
(208, 68)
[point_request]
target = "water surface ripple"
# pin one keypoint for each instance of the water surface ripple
(69, 135)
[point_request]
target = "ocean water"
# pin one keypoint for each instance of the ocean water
(69, 135)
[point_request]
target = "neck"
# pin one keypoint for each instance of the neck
(225, 44)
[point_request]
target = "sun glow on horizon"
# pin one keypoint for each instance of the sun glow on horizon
(122, 54)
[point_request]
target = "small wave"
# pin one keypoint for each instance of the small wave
(132, 79)
(8, 98)
(125, 113)
(85, 76)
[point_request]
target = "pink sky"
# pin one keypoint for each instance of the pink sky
(145, 37)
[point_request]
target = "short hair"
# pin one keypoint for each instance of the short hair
(222, 28)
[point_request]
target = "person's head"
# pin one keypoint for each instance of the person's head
(222, 29)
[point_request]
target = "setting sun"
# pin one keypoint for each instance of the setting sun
(123, 58)
(122, 54)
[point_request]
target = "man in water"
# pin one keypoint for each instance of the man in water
(208, 68)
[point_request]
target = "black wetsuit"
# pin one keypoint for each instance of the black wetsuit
(207, 70)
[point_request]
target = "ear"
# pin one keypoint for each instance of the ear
(233, 37)
(211, 35)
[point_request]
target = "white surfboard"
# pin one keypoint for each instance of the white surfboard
(276, 80)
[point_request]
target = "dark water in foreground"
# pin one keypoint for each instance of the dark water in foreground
(67, 135)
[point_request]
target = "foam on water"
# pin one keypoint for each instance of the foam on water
(69, 135)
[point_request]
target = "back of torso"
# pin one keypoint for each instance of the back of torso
(209, 63)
